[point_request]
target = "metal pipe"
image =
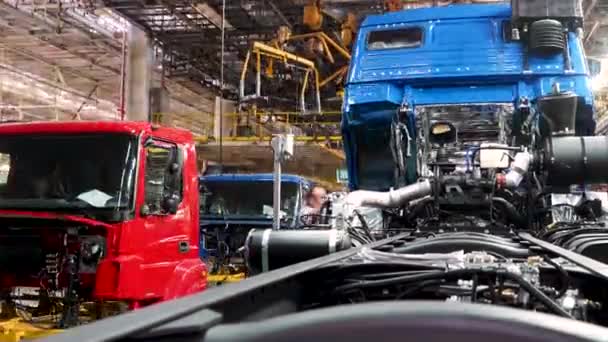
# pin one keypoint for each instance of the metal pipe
(317, 91)
(328, 53)
(257, 47)
(590, 8)
(221, 146)
(279, 13)
(594, 28)
(392, 198)
(336, 46)
(333, 76)
(123, 76)
(303, 36)
(258, 77)
(277, 143)
(303, 93)
(244, 74)
(9, 106)
(324, 38)
(77, 114)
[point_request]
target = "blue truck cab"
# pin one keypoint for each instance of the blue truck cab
(462, 63)
(232, 204)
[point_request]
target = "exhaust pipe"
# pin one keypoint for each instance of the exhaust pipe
(392, 198)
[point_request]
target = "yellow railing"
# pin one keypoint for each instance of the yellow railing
(200, 124)
(252, 126)
(257, 126)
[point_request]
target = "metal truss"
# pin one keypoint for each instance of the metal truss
(189, 31)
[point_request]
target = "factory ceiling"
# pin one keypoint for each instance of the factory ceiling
(189, 31)
(62, 60)
(73, 48)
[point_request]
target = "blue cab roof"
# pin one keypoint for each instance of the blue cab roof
(253, 177)
(439, 13)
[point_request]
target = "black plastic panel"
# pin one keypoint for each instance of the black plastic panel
(535, 9)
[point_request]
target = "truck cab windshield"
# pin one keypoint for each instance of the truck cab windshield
(246, 199)
(54, 172)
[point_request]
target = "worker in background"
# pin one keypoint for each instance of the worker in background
(314, 201)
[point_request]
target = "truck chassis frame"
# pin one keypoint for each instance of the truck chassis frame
(263, 296)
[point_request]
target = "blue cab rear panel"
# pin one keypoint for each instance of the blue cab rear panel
(464, 56)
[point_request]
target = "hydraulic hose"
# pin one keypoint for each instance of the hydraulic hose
(510, 210)
(390, 199)
(564, 277)
(533, 291)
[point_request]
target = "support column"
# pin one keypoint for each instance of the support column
(140, 63)
(160, 107)
(228, 124)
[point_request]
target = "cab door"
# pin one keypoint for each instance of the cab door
(166, 225)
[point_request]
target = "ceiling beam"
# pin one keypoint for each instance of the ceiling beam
(590, 8)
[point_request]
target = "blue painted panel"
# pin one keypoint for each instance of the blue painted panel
(463, 58)
(374, 93)
(439, 13)
(448, 52)
(464, 94)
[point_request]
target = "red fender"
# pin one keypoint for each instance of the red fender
(189, 276)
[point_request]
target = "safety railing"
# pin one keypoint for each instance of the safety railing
(252, 126)
(200, 124)
(258, 126)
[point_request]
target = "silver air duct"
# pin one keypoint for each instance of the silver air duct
(392, 198)
(519, 167)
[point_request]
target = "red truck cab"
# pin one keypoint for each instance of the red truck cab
(97, 212)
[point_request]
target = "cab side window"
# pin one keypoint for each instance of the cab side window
(5, 168)
(163, 188)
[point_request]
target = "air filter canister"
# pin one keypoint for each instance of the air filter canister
(576, 160)
(270, 249)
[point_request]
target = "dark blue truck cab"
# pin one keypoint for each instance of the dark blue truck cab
(233, 204)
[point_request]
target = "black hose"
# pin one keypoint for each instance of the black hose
(400, 279)
(511, 211)
(418, 207)
(568, 234)
(564, 277)
(364, 225)
(355, 236)
(545, 234)
(354, 232)
(417, 288)
(533, 291)
(375, 276)
(474, 288)
(543, 298)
